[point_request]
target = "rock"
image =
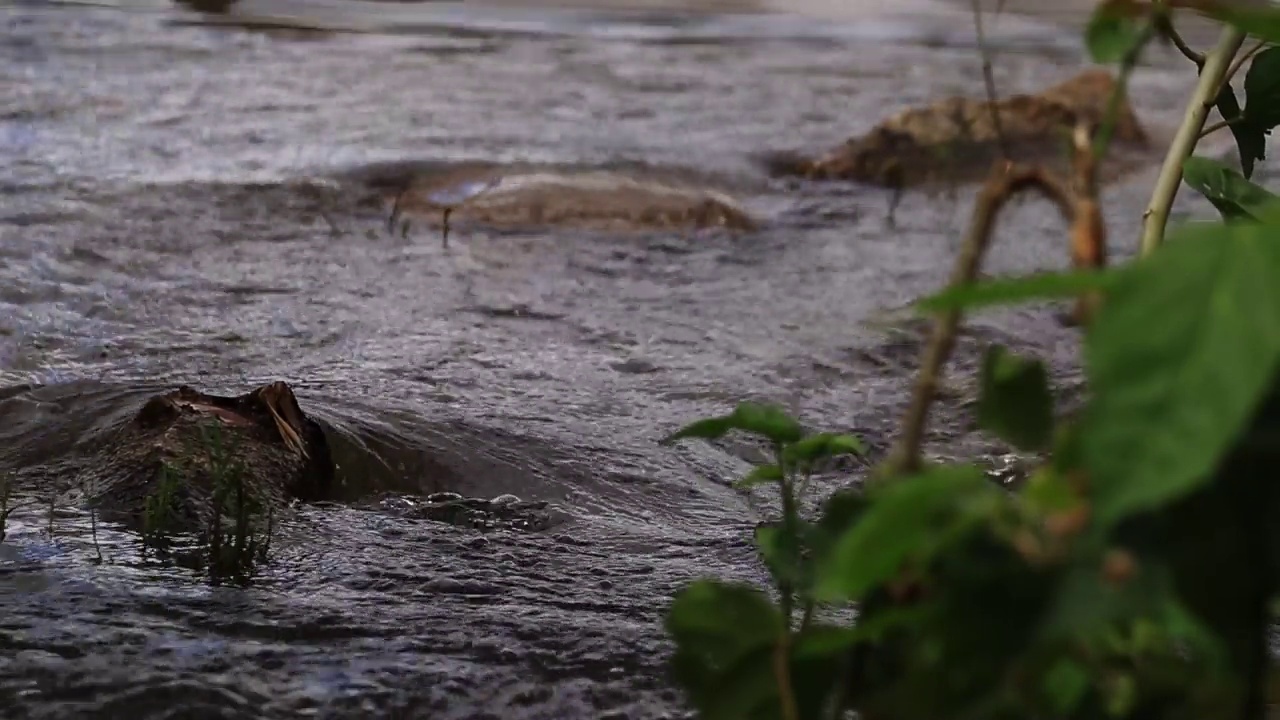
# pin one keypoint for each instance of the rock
(194, 452)
(528, 197)
(955, 140)
(208, 6)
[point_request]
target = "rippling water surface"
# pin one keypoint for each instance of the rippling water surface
(172, 211)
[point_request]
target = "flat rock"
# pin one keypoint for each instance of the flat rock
(530, 197)
(955, 140)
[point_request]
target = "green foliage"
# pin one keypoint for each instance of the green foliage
(767, 421)
(235, 554)
(1008, 291)
(235, 533)
(1233, 195)
(1016, 404)
(159, 519)
(1111, 34)
(791, 550)
(1261, 20)
(1115, 35)
(1252, 124)
(1165, 410)
(914, 518)
(1134, 574)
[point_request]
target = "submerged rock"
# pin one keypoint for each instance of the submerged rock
(201, 455)
(955, 140)
(504, 512)
(530, 197)
(208, 6)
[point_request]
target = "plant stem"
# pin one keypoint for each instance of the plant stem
(1127, 64)
(1182, 46)
(782, 675)
(1216, 64)
(789, 533)
(1215, 127)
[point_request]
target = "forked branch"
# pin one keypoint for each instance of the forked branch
(1078, 203)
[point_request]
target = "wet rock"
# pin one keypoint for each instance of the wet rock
(502, 512)
(529, 197)
(955, 140)
(207, 6)
(635, 366)
(195, 452)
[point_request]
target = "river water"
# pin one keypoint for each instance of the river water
(167, 216)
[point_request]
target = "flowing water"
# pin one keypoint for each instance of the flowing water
(172, 210)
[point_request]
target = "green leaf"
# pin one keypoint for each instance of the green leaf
(760, 475)
(745, 690)
(909, 520)
(1049, 491)
(724, 635)
(1262, 89)
(1028, 288)
(822, 640)
(707, 429)
(820, 446)
(1065, 684)
(780, 553)
(1111, 35)
(1121, 695)
(1251, 140)
(1181, 624)
(1178, 360)
(1259, 20)
(722, 621)
(1235, 197)
(1016, 404)
(840, 511)
(825, 640)
(768, 421)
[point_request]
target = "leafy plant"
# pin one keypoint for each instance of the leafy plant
(160, 510)
(739, 656)
(1135, 573)
(235, 535)
(236, 554)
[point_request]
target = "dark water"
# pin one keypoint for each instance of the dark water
(164, 189)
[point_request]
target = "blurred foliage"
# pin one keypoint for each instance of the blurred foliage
(1132, 576)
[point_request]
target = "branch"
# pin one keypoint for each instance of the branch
(782, 675)
(1215, 127)
(1005, 181)
(1166, 28)
(1088, 231)
(1215, 70)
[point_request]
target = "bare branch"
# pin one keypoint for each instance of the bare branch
(1006, 180)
